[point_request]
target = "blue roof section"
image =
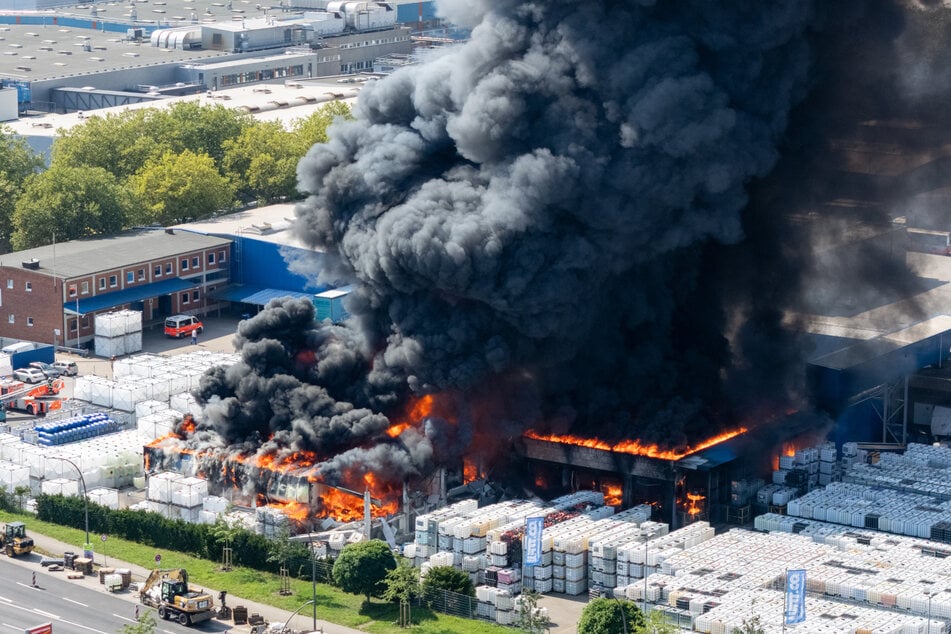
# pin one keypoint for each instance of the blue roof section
(257, 295)
(127, 296)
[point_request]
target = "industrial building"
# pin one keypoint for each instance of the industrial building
(51, 294)
(236, 262)
(88, 58)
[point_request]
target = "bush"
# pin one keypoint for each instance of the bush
(610, 616)
(361, 568)
(448, 578)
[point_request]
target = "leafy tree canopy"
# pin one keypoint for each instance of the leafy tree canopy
(402, 583)
(448, 578)
(180, 187)
(610, 616)
(68, 202)
(313, 129)
(361, 568)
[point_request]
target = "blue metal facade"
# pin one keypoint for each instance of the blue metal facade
(410, 13)
(262, 263)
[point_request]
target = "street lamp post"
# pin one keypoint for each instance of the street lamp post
(313, 581)
(284, 629)
(82, 481)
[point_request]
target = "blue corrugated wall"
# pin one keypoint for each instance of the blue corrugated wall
(262, 264)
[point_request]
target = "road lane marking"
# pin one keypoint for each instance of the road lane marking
(47, 614)
(168, 631)
(12, 627)
(76, 602)
(6, 599)
(124, 618)
(26, 585)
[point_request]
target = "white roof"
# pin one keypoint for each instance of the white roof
(269, 224)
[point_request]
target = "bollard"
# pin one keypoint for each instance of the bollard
(34, 579)
(136, 612)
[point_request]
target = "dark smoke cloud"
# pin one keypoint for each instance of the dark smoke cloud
(539, 201)
(552, 224)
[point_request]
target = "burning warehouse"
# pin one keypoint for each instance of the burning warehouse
(584, 233)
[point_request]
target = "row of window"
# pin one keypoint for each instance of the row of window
(12, 319)
(296, 70)
(385, 40)
(130, 276)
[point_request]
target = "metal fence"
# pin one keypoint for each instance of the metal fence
(448, 602)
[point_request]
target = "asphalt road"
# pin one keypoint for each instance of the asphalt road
(72, 608)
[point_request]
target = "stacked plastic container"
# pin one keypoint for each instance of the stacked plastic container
(176, 496)
(149, 377)
(75, 429)
(118, 333)
(105, 497)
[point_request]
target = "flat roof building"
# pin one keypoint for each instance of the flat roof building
(50, 294)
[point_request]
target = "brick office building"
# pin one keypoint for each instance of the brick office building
(51, 294)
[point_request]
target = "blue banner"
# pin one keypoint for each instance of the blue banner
(532, 544)
(795, 596)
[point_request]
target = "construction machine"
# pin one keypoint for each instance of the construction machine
(14, 540)
(167, 590)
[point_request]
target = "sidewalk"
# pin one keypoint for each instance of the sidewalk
(269, 613)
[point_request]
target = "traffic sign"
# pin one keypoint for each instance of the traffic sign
(158, 558)
(103, 537)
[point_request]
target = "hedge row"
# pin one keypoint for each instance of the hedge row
(144, 527)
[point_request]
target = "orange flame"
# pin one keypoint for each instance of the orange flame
(635, 447)
(787, 449)
(692, 499)
(295, 511)
(470, 471)
(397, 429)
(613, 494)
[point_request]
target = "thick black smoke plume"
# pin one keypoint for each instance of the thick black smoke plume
(550, 227)
(537, 204)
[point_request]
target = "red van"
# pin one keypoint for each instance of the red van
(182, 326)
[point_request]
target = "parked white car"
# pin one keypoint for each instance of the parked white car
(68, 368)
(29, 375)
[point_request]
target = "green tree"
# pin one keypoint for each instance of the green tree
(262, 161)
(610, 616)
(144, 625)
(179, 187)
(17, 163)
(402, 582)
(527, 616)
(448, 578)
(70, 202)
(21, 492)
(313, 129)
(202, 129)
(361, 568)
(119, 143)
(224, 535)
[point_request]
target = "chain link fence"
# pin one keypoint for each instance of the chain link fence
(448, 602)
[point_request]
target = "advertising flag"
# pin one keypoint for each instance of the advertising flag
(795, 596)
(532, 545)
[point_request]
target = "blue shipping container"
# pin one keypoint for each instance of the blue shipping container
(329, 305)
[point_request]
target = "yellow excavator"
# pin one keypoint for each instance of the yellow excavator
(14, 540)
(167, 590)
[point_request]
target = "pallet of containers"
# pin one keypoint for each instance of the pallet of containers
(127, 393)
(109, 335)
(60, 486)
(146, 407)
(161, 486)
(104, 497)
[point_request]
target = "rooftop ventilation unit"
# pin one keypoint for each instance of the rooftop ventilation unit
(33, 264)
